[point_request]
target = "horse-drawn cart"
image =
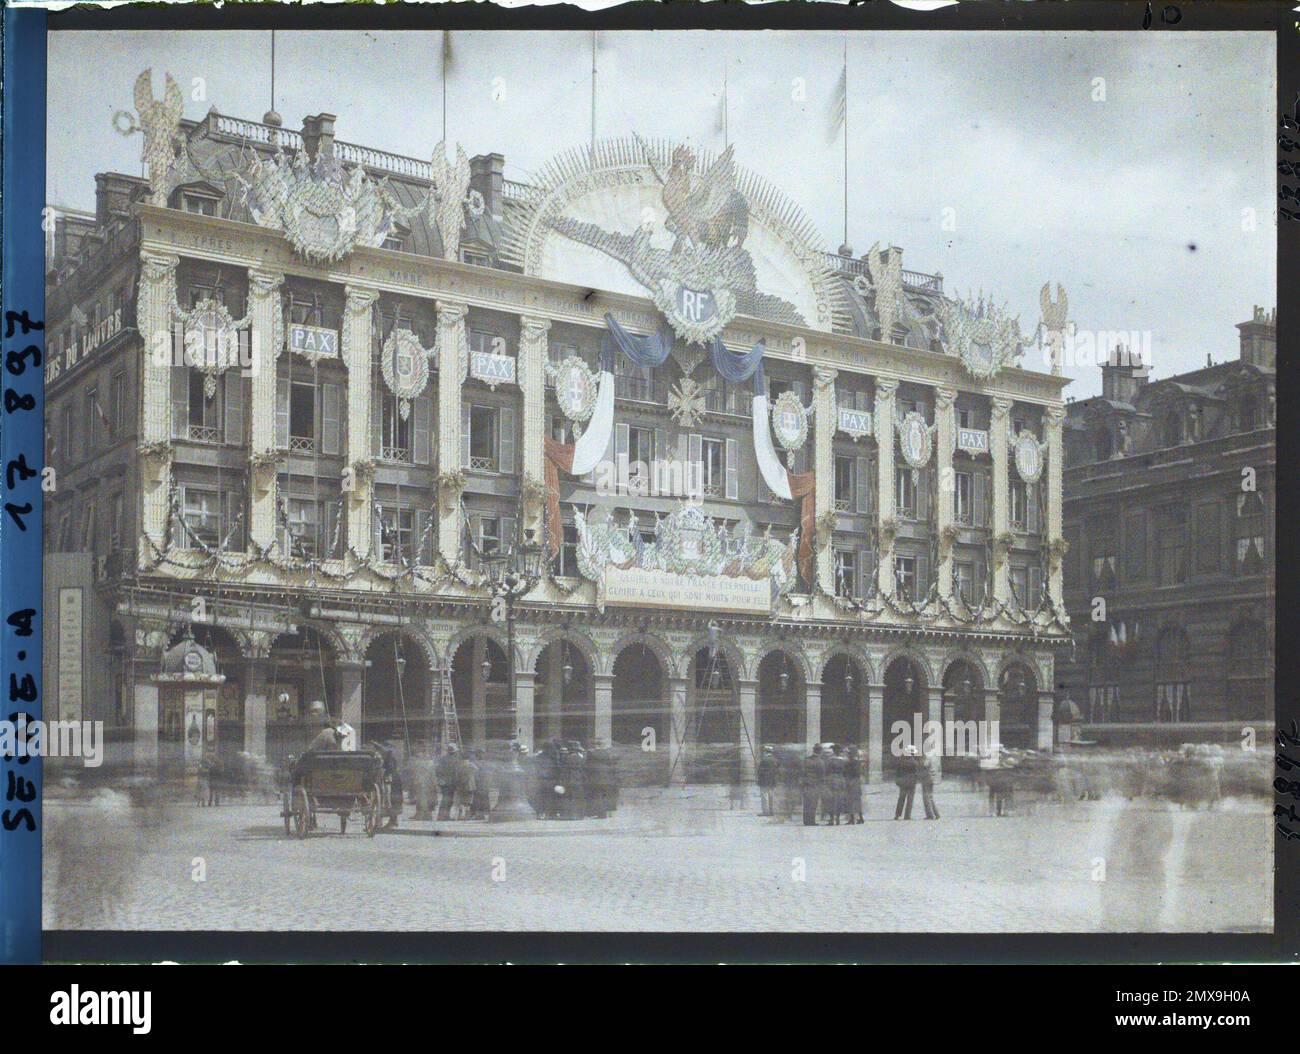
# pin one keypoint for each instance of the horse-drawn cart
(338, 781)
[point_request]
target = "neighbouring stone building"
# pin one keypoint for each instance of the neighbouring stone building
(1170, 490)
(400, 361)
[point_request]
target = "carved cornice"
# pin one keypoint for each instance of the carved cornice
(360, 299)
(1000, 407)
(944, 397)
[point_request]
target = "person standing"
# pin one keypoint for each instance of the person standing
(445, 773)
(482, 799)
(833, 800)
(928, 766)
(812, 776)
(767, 767)
(853, 785)
(906, 780)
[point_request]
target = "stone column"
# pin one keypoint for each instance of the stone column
(1053, 420)
(554, 691)
(1045, 705)
(875, 733)
(677, 729)
(813, 715)
(992, 717)
(356, 345)
(934, 712)
(525, 688)
(453, 366)
(532, 382)
(154, 321)
(348, 678)
(749, 745)
(478, 694)
(825, 424)
(886, 488)
(255, 703)
(267, 336)
(998, 439)
(604, 685)
(945, 440)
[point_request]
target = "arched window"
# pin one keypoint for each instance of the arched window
(1173, 681)
(1248, 662)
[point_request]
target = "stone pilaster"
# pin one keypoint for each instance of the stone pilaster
(748, 744)
(945, 439)
(677, 730)
(453, 364)
(532, 382)
(875, 733)
(267, 336)
(1053, 420)
(885, 485)
(992, 717)
(525, 689)
(604, 700)
(348, 680)
(154, 320)
(998, 443)
(825, 423)
(812, 715)
(356, 344)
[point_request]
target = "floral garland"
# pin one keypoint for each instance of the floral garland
(210, 314)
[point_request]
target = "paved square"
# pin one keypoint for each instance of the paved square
(668, 861)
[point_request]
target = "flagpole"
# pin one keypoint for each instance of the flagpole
(593, 95)
(726, 130)
(446, 48)
(845, 73)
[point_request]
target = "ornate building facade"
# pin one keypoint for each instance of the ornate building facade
(1169, 514)
(405, 366)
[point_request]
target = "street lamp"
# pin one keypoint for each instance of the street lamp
(512, 573)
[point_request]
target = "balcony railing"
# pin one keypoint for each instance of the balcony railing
(641, 389)
(302, 445)
(400, 454)
(483, 464)
(204, 434)
(843, 505)
(851, 265)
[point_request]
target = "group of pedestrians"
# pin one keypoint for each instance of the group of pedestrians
(829, 781)
(915, 770)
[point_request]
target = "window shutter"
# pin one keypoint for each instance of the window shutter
(508, 528)
(1035, 587)
(622, 437)
(423, 539)
(696, 454)
(421, 411)
(377, 534)
(506, 440)
(282, 413)
(922, 577)
(733, 470)
(1031, 508)
(923, 494)
(661, 448)
(978, 487)
(180, 402)
(866, 571)
(234, 385)
(464, 435)
(331, 418)
(862, 484)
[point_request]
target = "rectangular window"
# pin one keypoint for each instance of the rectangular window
(483, 427)
(303, 516)
(200, 204)
(1020, 586)
(481, 340)
(641, 446)
(965, 418)
(964, 581)
(1135, 547)
(117, 411)
(906, 492)
(964, 498)
(845, 483)
(905, 577)
(712, 454)
(116, 507)
(566, 561)
(201, 511)
(1249, 554)
(1019, 505)
(93, 430)
(69, 432)
(395, 431)
(846, 572)
(204, 413)
(302, 417)
(475, 259)
(397, 534)
(1171, 546)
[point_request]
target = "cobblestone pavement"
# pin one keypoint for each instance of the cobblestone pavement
(668, 861)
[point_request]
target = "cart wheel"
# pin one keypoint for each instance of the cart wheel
(343, 823)
(287, 812)
(373, 806)
(302, 813)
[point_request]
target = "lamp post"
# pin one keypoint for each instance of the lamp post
(512, 573)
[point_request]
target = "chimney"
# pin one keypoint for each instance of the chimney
(318, 135)
(1123, 375)
(113, 196)
(1259, 338)
(487, 176)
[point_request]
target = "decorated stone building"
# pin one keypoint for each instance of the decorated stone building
(1169, 515)
(301, 392)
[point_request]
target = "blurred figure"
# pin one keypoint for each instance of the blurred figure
(736, 780)
(812, 776)
(445, 773)
(853, 785)
(928, 771)
(602, 781)
(997, 766)
(767, 772)
(481, 803)
(466, 778)
(834, 796)
(905, 779)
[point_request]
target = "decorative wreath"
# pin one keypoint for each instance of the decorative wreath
(576, 402)
(914, 440)
(790, 438)
(1028, 456)
(210, 315)
(405, 387)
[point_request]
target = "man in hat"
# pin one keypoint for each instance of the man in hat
(445, 774)
(811, 778)
(853, 785)
(767, 768)
(833, 797)
(927, 771)
(328, 737)
(906, 778)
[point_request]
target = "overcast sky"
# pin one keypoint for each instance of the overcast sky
(1134, 202)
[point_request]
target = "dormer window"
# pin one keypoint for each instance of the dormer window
(475, 257)
(202, 204)
(1173, 428)
(399, 240)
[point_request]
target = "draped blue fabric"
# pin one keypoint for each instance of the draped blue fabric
(760, 381)
(736, 365)
(643, 351)
(606, 355)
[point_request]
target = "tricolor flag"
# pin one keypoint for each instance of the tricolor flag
(103, 418)
(837, 112)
